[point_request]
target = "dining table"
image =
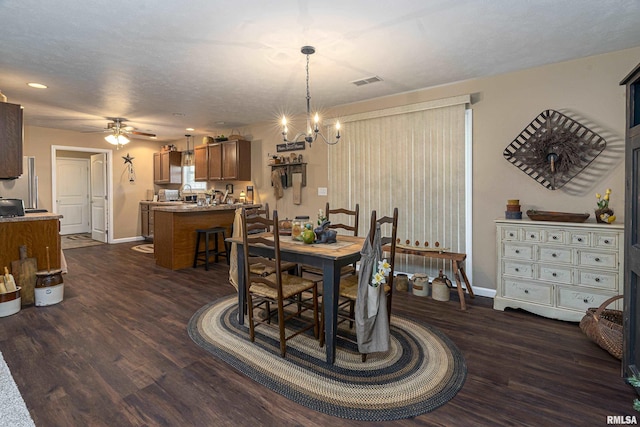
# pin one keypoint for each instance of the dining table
(329, 257)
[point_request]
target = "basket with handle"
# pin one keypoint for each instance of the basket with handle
(604, 327)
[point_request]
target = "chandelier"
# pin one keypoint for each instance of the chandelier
(312, 133)
(117, 138)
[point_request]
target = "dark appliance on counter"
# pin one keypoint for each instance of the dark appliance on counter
(11, 208)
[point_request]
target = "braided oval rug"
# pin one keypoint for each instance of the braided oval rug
(422, 370)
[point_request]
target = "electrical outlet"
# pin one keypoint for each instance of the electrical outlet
(322, 191)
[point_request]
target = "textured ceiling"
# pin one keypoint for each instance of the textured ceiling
(165, 65)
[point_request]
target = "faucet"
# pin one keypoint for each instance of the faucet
(184, 186)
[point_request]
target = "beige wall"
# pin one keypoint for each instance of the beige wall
(503, 105)
(586, 89)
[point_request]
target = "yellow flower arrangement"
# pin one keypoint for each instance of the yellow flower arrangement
(603, 202)
(379, 277)
(603, 213)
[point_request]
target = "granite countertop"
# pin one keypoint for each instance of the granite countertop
(193, 207)
(41, 216)
(152, 203)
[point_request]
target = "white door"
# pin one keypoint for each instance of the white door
(72, 195)
(99, 197)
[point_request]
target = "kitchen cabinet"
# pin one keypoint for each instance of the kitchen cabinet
(223, 161)
(558, 270)
(200, 163)
(167, 167)
(10, 140)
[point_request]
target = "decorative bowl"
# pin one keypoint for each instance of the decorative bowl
(557, 216)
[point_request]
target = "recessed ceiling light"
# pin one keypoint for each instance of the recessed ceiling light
(37, 85)
(178, 114)
(190, 129)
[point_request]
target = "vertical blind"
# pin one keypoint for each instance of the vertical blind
(413, 160)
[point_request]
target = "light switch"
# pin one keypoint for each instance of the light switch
(322, 191)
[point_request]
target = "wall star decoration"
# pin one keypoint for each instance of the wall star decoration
(553, 149)
(132, 173)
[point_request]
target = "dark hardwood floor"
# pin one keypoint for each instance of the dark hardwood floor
(116, 352)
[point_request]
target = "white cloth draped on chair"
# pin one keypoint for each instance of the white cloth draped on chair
(371, 317)
(233, 257)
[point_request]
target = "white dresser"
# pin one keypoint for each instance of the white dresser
(558, 269)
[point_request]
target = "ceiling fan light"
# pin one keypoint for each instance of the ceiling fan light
(117, 139)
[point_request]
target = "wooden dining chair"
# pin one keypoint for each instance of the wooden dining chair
(349, 284)
(261, 265)
(284, 291)
(355, 214)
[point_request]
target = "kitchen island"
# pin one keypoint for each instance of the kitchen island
(36, 231)
(174, 236)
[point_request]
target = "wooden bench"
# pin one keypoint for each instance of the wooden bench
(456, 261)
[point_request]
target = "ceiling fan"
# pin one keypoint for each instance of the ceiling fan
(119, 133)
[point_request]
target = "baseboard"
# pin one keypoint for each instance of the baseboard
(127, 239)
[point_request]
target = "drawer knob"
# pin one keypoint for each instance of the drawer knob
(533, 236)
(517, 251)
(555, 237)
(586, 301)
(597, 259)
(579, 239)
(510, 234)
(597, 279)
(554, 255)
(526, 291)
(517, 269)
(554, 274)
(606, 242)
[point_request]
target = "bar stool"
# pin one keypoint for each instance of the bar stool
(208, 232)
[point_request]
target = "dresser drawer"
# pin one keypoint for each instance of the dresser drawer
(580, 238)
(606, 240)
(555, 274)
(598, 259)
(539, 293)
(556, 255)
(554, 236)
(580, 299)
(514, 250)
(510, 234)
(532, 235)
(518, 269)
(598, 279)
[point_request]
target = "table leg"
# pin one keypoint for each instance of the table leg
(456, 274)
(466, 282)
(330, 293)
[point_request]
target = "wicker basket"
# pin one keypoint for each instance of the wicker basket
(604, 327)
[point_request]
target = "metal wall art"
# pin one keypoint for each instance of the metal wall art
(553, 149)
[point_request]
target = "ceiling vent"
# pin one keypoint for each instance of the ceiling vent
(366, 81)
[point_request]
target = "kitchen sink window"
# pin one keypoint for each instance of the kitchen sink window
(188, 178)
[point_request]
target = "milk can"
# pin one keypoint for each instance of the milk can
(440, 287)
(420, 285)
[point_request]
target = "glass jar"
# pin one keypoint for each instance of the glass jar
(296, 229)
(298, 226)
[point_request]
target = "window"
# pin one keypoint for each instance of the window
(415, 158)
(188, 178)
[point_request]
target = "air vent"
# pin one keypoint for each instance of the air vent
(367, 81)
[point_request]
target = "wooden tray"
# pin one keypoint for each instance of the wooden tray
(557, 216)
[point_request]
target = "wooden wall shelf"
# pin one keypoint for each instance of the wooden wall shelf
(290, 169)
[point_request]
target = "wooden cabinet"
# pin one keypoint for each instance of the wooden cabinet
(167, 167)
(200, 163)
(223, 161)
(558, 270)
(214, 161)
(10, 140)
